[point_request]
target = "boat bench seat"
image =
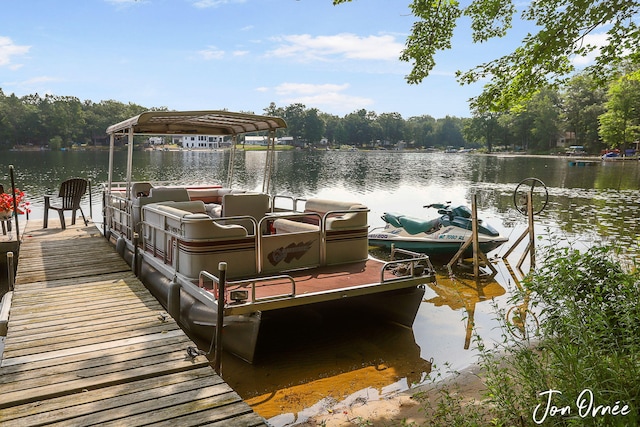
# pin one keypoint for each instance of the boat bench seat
(210, 195)
(345, 225)
(202, 242)
(190, 220)
(341, 219)
(337, 218)
(286, 226)
(146, 194)
(221, 202)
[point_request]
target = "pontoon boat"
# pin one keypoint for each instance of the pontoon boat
(282, 253)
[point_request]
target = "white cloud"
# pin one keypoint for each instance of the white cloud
(324, 96)
(124, 4)
(346, 45)
(599, 40)
(240, 52)
(308, 88)
(38, 80)
(32, 82)
(210, 53)
(205, 4)
(8, 50)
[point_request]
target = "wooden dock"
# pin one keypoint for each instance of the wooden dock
(87, 344)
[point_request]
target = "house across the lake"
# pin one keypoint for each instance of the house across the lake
(199, 141)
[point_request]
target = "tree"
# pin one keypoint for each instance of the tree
(392, 126)
(545, 110)
(421, 131)
(583, 102)
(359, 127)
(313, 127)
(620, 124)
(294, 115)
(333, 130)
(542, 60)
(449, 132)
(484, 128)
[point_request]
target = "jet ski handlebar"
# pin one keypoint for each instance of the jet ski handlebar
(445, 209)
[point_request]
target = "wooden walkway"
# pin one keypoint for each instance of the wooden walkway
(87, 344)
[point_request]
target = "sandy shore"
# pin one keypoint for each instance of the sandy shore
(392, 410)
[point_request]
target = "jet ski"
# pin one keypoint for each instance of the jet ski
(438, 237)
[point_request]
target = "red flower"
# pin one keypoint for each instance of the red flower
(6, 202)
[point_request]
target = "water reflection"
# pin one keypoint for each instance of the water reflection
(464, 293)
(324, 360)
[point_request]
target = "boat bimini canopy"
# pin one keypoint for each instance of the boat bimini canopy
(192, 123)
(196, 122)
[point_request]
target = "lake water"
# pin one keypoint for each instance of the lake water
(312, 366)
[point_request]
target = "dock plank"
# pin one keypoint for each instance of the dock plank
(88, 402)
(87, 344)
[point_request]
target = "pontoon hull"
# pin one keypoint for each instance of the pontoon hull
(241, 332)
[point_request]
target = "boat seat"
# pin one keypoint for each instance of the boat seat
(140, 189)
(285, 226)
(201, 242)
(182, 208)
(417, 225)
(168, 194)
(209, 195)
(355, 218)
(392, 218)
(346, 228)
(156, 194)
(197, 224)
(255, 205)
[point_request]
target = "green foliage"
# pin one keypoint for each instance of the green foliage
(583, 102)
(58, 121)
(620, 124)
(587, 344)
(432, 32)
(367, 129)
(589, 339)
(594, 286)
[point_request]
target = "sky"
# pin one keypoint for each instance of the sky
(239, 55)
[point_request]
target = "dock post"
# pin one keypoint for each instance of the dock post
(15, 205)
(474, 233)
(134, 260)
(90, 201)
(11, 270)
(217, 361)
(104, 214)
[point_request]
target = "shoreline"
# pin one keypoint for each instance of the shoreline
(403, 406)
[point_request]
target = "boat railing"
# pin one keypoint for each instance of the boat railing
(417, 264)
(293, 200)
(244, 291)
(117, 213)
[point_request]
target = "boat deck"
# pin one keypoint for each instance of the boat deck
(322, 285)
(87, 344)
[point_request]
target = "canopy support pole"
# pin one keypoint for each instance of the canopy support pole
(129, 162)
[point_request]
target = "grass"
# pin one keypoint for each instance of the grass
(581, 367)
